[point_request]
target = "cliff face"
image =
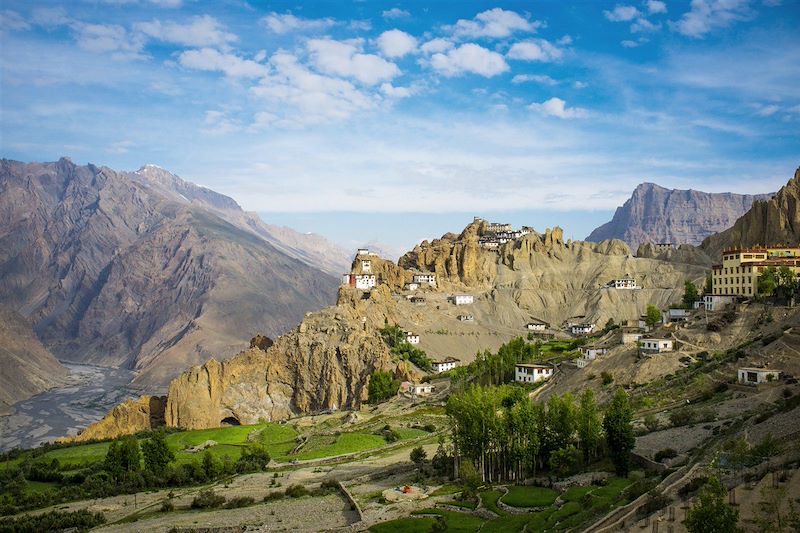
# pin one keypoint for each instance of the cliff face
(114, 272)
(773, 221)
(656, 214)
(26, 366)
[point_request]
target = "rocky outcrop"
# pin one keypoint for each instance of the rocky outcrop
(659, 215)
(26, 366)
(132, 416)
(114, 272)
(768, 222)
(685, 253)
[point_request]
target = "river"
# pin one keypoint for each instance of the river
(90, 393)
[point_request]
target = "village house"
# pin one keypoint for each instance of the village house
(675, 315)
(421, 389)
(591, 351)
(630, 335)
(365, 251)
(466, 318)
(643, 323)
(448, 363)
(656, 345)
(754, 376)
(425, 277)
(663, 247)
(738, 273)
(412, 338)
(405, 386)
(417, 300)
(581, 329)
(411, 286)
(489, 243)
(360, 281)
(622, 283)
(532, 373)
(462, 299)
(366, 265)
(536, 325)
(714, 302)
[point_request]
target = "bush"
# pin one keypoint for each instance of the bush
(382, 386)
(607, 378)
(692, 487)
(239, 501)
(207, 499)
(81, 520)
(655, 501)
(418, 455)
(167, 506)
(390, 435)
(296, 491)
(430, 428)
(666, 453)
(682, 416)
(272, 496)
(651, 422)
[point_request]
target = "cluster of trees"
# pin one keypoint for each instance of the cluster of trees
(128, 467)
(498, 368)
(781, 283)
(382, 386)
(395, 337)
(690, 294)
(507, 436)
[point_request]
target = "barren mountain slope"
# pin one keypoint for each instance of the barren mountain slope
(116, 273)
(773, 221)
(26, 366)
(656, 214)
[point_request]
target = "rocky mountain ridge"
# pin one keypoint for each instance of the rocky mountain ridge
(326, 361)
(768, 222)
(659, 215)
(114, 272)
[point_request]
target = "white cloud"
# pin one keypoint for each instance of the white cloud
(656, 6)
(536, 78)
(298, 96)
(469, 58)
(535, 50)
(108, 39)
(345, 59)
(285, 23)
(396, 43)
(627, 43)
(767, 110)
(360, 25)
(565, 40)
(120, 147)
(233, 66)
(643, 25)
(436, 45)
(556, 107)
(580, 85)
(494, 23)
(395, 13)
(396, 92)
(708, 15)
(50, 16)
(201, 31)
(11, 20)
(167, 3)
(218, 123)
(622, 13)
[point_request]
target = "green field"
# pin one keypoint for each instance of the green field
(529, 496)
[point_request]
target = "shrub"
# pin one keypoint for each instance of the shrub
(167, 506)
(296, 491)
(682, 416)
(418, 455)
(207, 499)
(692, 487)
(382, 387)
(430, 428)
(81, 520)
(655, 501)
(239, 501)
(666, 453)
(651, 422)
(272, 496)
(607, 378)
(391, 435)
(254, 458)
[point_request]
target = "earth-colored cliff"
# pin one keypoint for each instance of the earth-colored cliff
(768, 222)
(26, 366)
(656, 214)
(129, 417)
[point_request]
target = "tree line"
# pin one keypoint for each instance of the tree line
(507, 437)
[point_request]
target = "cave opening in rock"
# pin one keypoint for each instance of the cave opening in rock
(230, 421)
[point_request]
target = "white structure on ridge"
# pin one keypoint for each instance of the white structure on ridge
(360, 281)
(462, 299)
(425, 277)
(656, 345)
(412, 338)
(532, 373)
(623, 283)
(754, 376)
(448, 363)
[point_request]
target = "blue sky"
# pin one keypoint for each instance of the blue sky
(396, 121)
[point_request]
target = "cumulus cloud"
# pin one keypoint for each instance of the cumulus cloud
(296, 95)
(396, 92)
(396, 43)
(395, 13)
(536, 78)
(218, 123)
(108, 39)
(656, 6)
(233, 66)
(200, 31)
(469, 58)
(622, 13)
(627, 43)
(556, 107)
(708, 15)
(535, 50)
(346, 59)
(286, 22)
(643, 25)
(494, 23)
(436, 45)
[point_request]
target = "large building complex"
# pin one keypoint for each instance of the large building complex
(738, 274)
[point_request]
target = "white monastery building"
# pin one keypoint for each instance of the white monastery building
(448, 363)
(427, 278)
(532, 373)
(462, 299)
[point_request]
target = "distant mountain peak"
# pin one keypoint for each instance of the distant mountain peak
(656, 214)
